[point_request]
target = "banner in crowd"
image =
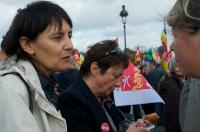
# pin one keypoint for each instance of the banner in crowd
(135, 89)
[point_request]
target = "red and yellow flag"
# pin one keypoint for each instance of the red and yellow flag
(132, 79)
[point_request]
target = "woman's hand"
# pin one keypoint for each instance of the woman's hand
(138, 126)
(133, 128)
(140, 123)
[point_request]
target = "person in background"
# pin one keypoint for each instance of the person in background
(184, 18)
(154, 79)
(86, 105)
(155, 74)
(37, 44)
(150, 107)
(138, 64)
(170, 88)
(152, 64)
(145, 69)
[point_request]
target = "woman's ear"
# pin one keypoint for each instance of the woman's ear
(26, 45)
(95, 69)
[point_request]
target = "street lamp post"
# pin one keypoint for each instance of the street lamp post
(124, 15)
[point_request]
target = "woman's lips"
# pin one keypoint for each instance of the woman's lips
(68, 58)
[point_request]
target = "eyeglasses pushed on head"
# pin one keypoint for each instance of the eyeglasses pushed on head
(117, 51)
(192, 8)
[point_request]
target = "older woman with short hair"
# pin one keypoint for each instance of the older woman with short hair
(86, 105)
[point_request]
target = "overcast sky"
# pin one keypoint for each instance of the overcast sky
(96, 20)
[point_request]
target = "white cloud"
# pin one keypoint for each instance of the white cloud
(95, 20)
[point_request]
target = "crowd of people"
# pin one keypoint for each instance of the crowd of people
(42, 91)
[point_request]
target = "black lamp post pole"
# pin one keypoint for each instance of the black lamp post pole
(124, 15)
(124, 36)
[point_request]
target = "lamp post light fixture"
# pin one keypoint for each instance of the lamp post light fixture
(124, 15)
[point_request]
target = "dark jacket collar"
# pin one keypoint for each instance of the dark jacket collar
(96, 107)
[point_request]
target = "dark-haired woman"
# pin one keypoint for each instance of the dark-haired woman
(37, 45)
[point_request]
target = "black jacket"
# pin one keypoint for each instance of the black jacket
(83, 112)
(170, 88)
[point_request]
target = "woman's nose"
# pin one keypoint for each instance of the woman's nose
(68, 45)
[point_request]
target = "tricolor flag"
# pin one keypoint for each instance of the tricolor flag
(134, 89)
(164, 39)
(164, 45)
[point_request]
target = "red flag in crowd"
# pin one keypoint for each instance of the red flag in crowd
(76, 55)
(135, 89)
(132, 79)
